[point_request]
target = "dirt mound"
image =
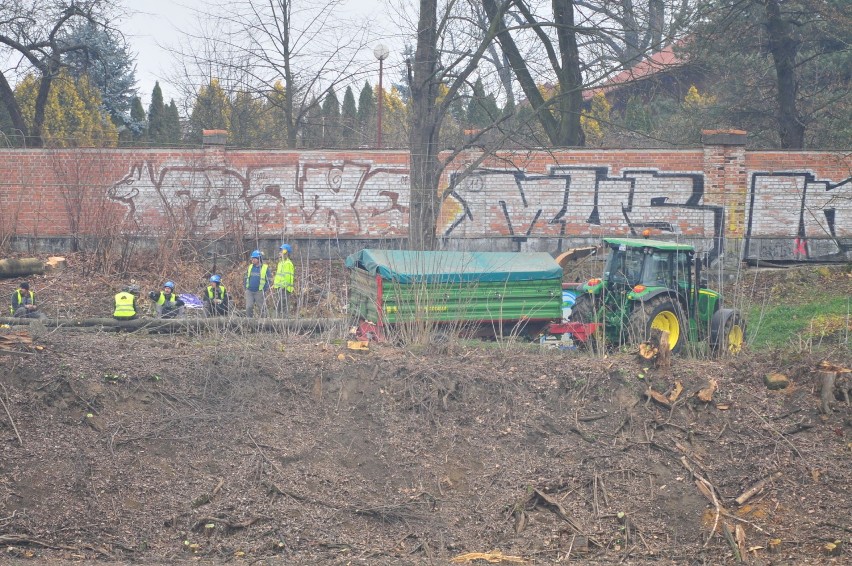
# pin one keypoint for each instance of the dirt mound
(165, 448)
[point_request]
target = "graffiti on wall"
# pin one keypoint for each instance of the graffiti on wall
(797, 216)
(582, 201)
(311, 198)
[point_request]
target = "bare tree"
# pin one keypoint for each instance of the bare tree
(250, 45)
(557, 33)
(435, 85)
(34, 36)
(625, 31)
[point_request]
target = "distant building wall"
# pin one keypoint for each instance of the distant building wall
(753, 205)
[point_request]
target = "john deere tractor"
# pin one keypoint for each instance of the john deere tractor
(652, 285)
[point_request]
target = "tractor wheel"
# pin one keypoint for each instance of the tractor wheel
(584, 312)
(661, 314)
(727, 332)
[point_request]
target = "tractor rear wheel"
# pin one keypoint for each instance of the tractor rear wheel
(727, 332)
(660, 313)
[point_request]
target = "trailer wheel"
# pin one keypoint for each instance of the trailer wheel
(660, 313)
(727, 332)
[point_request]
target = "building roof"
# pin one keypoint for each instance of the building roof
(661, 61)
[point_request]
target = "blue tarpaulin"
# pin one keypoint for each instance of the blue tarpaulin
(405, 266)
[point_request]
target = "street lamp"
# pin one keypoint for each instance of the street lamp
(381, 52)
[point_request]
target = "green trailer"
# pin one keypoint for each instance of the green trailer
(487, 291)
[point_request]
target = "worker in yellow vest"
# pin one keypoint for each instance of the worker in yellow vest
(24, 303)
(257, 281)
(284, 283)
(125, 303)
(167, 303)
(216, 300)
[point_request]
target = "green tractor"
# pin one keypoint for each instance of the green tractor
(656, 285)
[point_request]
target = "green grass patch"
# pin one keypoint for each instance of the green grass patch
(824, 318)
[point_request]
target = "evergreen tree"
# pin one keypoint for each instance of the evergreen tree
(246, 121)
(73, 112)
(348, 120)
(109, 65)
(156, 117)
(210, 112)
(173, 130)
(138, 124)
(367, 116)
(330, 119)
(275, 126)
(312, 126)
(482, 109)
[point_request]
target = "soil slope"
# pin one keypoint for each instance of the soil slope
(261, 448)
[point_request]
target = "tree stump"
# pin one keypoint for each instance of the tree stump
(826, 380)
(55, 263)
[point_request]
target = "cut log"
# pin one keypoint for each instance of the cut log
(648, 351)
(658, 397)
(244, 325)
(21, 267)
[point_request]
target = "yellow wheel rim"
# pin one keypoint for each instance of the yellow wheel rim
(666, 321)
(735, 339)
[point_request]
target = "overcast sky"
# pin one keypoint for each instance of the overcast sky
(156, 25)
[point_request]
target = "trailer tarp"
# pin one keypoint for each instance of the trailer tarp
(406, 266)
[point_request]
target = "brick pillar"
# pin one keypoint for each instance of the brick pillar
(726, 180)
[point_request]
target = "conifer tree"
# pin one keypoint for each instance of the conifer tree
(482, 109)
(157, 117)
(367, 115)
(348, 119)
(138, 124)
(173, 131)
(330, 119)
(210, 112)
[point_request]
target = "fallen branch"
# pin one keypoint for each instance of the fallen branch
(12, 539)
(228, 525)
(756, 488)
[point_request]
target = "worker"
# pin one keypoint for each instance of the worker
(168, 304)
(257, 281)
(216, 298)
(125, 303)
(24, 303)
(283, 285)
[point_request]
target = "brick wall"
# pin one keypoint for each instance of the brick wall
(765, 205)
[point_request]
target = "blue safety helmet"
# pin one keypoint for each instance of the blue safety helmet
(215, 279)
(256, 254)
(286, 248)
(170, 285)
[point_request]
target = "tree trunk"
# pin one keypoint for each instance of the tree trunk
(425, 130)
(784, 47)
(7, 96)
(570, 79)
(20, 267)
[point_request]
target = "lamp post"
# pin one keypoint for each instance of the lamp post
(381, 52)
